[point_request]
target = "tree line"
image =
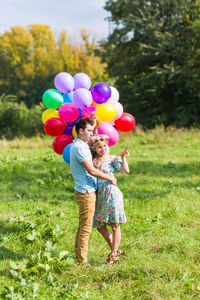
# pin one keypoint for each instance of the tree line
(30, 58)
(152, 57)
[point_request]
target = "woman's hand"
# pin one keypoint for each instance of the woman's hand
(125, 152)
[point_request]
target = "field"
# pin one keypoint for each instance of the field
(38, 221)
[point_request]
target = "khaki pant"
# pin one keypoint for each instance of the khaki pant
(86, 213)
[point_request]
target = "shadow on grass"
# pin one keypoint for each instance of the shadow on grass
(40, 176)
(5, 253)
(8, 229)
(143, 172)
(165, 170)
(145, 195)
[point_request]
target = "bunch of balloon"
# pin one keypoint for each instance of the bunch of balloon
(110, 112)
(65, 105)
(73, 99)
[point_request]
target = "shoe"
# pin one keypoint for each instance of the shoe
(112, 259)
(119, 252)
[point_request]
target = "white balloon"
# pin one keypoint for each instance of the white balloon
(114, 95)
(119, 109)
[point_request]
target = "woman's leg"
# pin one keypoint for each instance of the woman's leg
(116, 237)
(106, 234)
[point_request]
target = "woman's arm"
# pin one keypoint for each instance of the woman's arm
(124, 162)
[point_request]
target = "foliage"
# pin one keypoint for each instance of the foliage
(153, 53)
(17, 120)
(32, 56)
(39, 217)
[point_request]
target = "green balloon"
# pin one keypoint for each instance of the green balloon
(52, 98)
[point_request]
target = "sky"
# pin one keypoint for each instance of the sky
(71, 15)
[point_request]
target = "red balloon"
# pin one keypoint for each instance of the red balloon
(61, 142)
(125, 123)
(54, 126)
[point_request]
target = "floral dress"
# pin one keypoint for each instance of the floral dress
(109, 202)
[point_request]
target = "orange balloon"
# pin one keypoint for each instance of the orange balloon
(94, 104)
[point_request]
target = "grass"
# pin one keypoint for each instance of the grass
(38, 221)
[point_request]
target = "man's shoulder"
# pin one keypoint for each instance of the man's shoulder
(77, 144)
(80, 148)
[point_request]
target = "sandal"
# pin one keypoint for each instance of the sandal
(119, 252)
(112, 259)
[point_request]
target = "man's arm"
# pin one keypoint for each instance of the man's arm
(95, 172)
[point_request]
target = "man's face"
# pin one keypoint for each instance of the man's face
(87, 132)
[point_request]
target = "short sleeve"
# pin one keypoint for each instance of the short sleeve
(83, 154)
(117, 164)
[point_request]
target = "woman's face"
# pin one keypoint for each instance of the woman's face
(101, 149)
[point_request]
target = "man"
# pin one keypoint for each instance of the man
(84, 175)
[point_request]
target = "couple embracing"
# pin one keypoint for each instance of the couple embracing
(100, 201)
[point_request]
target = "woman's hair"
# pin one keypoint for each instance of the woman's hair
(95, 141)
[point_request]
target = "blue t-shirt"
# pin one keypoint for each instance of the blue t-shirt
(79, 153)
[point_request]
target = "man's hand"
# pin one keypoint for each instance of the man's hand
(95, 172)
(113, 180)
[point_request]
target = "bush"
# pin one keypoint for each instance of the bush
(18, 120)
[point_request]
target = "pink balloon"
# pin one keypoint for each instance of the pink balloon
(112, 122)
(108, 129)
(68, 112)
(82, 98)
(88, 112)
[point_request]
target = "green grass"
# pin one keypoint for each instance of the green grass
(38, 221)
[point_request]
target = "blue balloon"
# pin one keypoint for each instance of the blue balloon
(66, 153)
(68, 97)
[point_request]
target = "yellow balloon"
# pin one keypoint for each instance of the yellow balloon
(48, 114)
(74, 133)
(106, 112)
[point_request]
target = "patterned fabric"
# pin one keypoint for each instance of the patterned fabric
(109, 202)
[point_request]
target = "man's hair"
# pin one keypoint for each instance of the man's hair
(82, 123)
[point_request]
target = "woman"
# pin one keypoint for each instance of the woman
(109, 202)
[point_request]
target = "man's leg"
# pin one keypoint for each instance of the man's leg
(86, 212)
(76, 243)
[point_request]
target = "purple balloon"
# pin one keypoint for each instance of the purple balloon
(68, 130)
(64, 82)
(82, 98)
(101, 92)
(82, 80)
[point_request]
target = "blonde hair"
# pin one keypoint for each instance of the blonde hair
(95, 141)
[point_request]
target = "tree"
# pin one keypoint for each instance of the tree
(31, 57)
(153, 54)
